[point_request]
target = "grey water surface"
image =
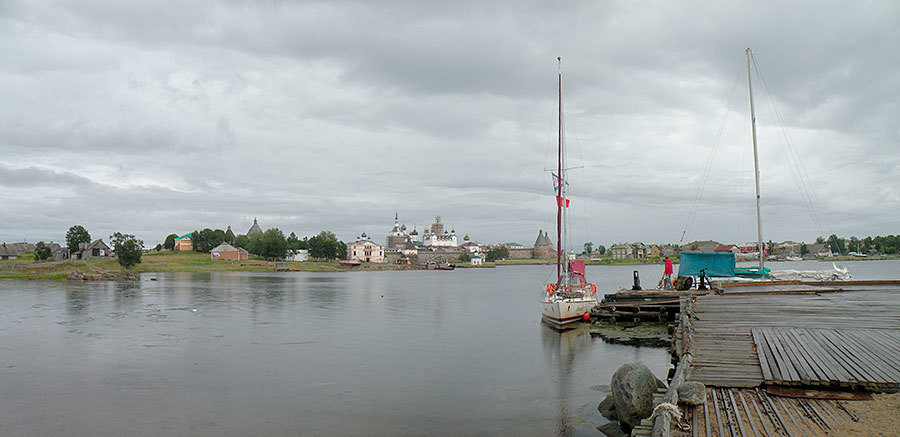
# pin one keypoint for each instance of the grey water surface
(360, 353)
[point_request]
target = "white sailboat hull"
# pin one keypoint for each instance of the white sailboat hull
(565, 311)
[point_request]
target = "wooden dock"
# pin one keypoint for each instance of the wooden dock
(746, 412)
(786, 359)
(640, 305)
(725, 354)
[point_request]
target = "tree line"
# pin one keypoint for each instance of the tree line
(271, 244)
(888, 245)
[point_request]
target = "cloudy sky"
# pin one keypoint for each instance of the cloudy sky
(158, 117)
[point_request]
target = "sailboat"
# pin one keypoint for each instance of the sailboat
(571, 297)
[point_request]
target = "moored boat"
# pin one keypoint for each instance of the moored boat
(571, 297)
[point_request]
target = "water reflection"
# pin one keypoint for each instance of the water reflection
(563, 349)
(78, 301)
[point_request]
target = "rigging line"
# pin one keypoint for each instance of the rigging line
(742, 206)
(705, 177)
(792, 157)
(805, 185)
(570, 121)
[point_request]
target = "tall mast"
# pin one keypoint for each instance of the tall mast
(560, 182)
(755, 163)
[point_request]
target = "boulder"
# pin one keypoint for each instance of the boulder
(608, 408)
(660, 384)
(692, 393)
(633, 386)
(612, 429)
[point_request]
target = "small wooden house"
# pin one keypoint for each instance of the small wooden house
(229, 252)
(95, 249)
(8, 252)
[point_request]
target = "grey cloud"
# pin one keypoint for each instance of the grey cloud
(314, 115)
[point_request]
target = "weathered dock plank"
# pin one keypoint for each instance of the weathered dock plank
(821, 357)
(727, 353)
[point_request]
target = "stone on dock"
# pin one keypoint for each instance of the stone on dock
(692, 393)
(633, 386)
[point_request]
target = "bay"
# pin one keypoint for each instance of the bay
(360, 353)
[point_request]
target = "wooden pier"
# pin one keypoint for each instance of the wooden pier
(640, 305)
(786, 359)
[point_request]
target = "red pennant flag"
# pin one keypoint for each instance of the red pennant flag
(559, 201)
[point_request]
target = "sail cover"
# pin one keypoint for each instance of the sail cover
(716, 264)
(576, 272)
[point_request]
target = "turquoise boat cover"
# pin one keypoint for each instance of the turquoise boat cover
(716, 264)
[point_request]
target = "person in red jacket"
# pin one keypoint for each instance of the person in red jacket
(667, 274)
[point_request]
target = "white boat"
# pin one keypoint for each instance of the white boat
(571, 297)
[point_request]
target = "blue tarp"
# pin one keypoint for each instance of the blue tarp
(716, 264)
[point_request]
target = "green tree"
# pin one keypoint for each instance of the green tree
(128, 249)
(170, 241)
(326, 246)
(836, 244)
(820, 240)
(854, 245)
(42, 251)
(207, 239)
(271, 244)
(341, 252)
(499, 252)
(804, 249)
(77, 234)
(464, 257)
(588, 248)
(242, 241)
(293, 243)
(601, 249)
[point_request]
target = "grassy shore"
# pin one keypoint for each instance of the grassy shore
(26, 267)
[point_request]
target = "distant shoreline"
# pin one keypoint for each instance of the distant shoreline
(166, 262)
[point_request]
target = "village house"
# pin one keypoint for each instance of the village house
(620, 251)
(635, 251)
(705, 246)
(22, 246)
(8, 252)
(819, 249)
(183, 243)
(95, 249)
(727, 248)
(226, 251)
(298, 255)
(57, 252)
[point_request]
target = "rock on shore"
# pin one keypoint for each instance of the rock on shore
(633, 386)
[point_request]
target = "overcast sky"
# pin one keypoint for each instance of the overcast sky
(159, 117)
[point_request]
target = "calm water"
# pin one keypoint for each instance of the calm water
(365, 353)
